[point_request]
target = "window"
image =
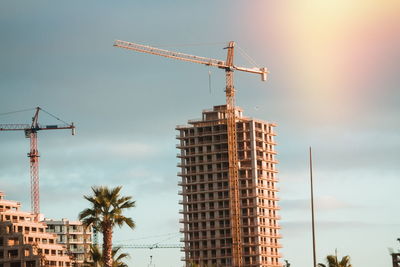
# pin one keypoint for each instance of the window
(13, 253)
(13, 241)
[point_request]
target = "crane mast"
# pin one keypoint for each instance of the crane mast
(229, 67)
(233, 160)
(33, 155)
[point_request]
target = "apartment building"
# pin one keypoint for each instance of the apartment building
(205, 190)
(24, 241)
(74, 236)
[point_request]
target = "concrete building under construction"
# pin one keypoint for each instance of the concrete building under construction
(205, 192)
(24, 241)
(75, 237)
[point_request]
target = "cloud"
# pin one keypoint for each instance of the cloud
(131, 149)
(322, 203)
(120, 148)
(332, 225)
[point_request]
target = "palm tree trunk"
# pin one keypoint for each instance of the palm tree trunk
(107, 245)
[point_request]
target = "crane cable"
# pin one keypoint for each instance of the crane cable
(188, 44)
(17, 111)
(209, 80)
(54, 116)
(247, 57)
(172, 234)
(29, 109)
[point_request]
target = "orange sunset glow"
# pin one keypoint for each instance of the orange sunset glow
(335, 48)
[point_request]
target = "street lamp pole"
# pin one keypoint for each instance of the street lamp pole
(312, 210)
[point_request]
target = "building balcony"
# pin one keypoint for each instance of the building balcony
(200, 219)
(205, 171)
(203, 162)
(203, 153)
(264, 159)
(77, 250)
(260, 139)
(197, 191)
(266, 196)
(201, 134)
(266, 215)
(268, 179)
(277, 255)
(205, 238)
(270, 226)
(208, 228)
(272, 245)
(77, 241)
(270, 151)
(185, 182)
(212, 247)
(276, 236)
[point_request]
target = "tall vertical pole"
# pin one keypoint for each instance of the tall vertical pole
(34, 170)
(312, 211)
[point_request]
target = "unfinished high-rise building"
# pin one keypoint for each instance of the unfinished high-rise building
(205, 192)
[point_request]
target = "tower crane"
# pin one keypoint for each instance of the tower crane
(33, 155)
(229, 67)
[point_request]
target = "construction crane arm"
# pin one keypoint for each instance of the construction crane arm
(169, 54)
(35, 126)
(186, 57)
(151, 246)
(23, 127)
(14, 127)
(262, 71)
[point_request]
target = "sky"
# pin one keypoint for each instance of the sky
(333, 85)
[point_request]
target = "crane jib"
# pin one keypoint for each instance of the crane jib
(187, 57)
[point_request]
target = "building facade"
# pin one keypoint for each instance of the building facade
(24, 241)
(74, 236)
(205, 190)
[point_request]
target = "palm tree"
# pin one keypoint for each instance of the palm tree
(332, 261)
(118, 257)
(105, 214)
(97, 255)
